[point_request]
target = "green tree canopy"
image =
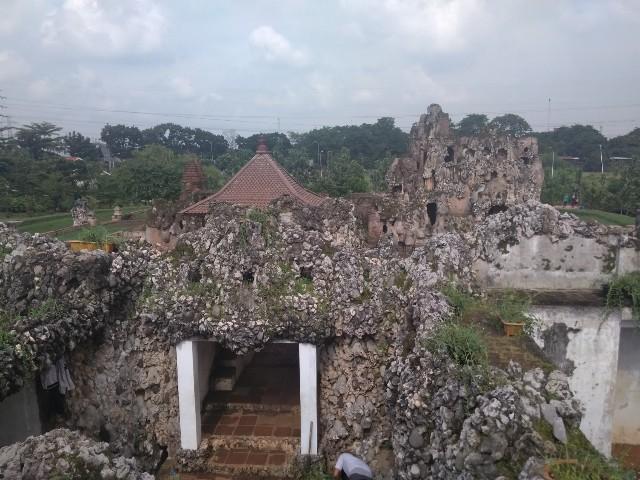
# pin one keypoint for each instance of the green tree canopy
(510, 124)
(472, 124)
(39, 139)
(80, 146)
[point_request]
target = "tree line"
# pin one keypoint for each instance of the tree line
(36, 176)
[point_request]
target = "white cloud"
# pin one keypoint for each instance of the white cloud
(275, 47)
(104, 28)
(322, 88)
(12, 65)
(39, 89)
(182, 86)
(442, 25)
(364, 95)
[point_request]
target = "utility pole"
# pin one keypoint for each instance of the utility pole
(601, 160)
(553, 161)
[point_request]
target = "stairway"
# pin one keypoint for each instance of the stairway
(228, 369)
(251, 441)
(251, 422)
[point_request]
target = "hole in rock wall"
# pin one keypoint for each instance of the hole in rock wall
(433, 175)
(471, 152)
(526, 149)
(248, 276)
(502, 154)
(449, 156)
(486, 151)
(525, 160)
(497, 209)
(396, 188)
(384, 228)
(104, 434)
(432, 212)
(494, 174)
(306, 272)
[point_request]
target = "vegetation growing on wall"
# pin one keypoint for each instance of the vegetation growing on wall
(625, 288)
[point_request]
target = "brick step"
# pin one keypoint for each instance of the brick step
(289, 445)
(249, 407)
(251, 463)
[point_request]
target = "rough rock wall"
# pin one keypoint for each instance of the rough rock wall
(352, 406)
(126, 392)
(466, 175)
(453, 422)
(63, 454)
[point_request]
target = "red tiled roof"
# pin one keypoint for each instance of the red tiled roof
(257, 184)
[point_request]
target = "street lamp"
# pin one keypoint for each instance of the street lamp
(210, 143)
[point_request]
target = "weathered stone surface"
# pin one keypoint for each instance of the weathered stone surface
(65, 454)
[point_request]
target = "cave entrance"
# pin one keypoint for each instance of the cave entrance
(270, 396)
(432, 212)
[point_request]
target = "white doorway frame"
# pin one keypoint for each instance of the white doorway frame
(191, 394)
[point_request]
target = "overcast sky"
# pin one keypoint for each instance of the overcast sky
(252, 66)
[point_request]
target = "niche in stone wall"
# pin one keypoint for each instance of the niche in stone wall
(502, 154)
(397, 188)
(449, 156)
(496, 209)
(248, 276)
(432, 212)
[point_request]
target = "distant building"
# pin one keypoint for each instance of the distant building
(257, 184)
(193, 180)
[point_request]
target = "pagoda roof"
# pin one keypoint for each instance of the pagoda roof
(257, 184)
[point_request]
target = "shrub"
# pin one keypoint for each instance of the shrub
(623, 288)
(463, 343)
(96, 234)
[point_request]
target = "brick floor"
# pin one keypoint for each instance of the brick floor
(628, 455)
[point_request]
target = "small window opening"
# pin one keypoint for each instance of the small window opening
(306, 272)
(497, 209)
(248, 276)
(432, 212)
(449, 156)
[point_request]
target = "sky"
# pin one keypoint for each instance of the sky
(249, 66)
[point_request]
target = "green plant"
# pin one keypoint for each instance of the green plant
(513, 307)
(97, 234)
(303, 285)
(590, 465)
(314, 472)
(462, 343)
(623, 288)
(403, 281)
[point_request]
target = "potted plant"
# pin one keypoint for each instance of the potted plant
(512, 308)
(93, 239)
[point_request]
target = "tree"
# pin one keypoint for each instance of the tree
(232, 161)
(343, 177)
(122, 140)
(581, 141)
(153, 172)
(39, 138)
(510, 124)
(472, 124)
(181, 139)
(275, 142)
(80, 146)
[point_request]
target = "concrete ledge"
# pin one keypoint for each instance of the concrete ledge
(589, 297)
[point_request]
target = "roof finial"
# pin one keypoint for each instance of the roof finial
(262, 145)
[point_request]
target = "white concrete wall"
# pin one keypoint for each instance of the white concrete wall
(626, 418)
(20, 416)
(308, 399)
(541, 262)
(593, 347)
(189, 394)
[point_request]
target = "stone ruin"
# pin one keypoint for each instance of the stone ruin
(82, 214)
(447, 180)
(296, 273)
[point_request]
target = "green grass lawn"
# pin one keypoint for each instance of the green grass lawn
(56, 221)
(606, 218)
